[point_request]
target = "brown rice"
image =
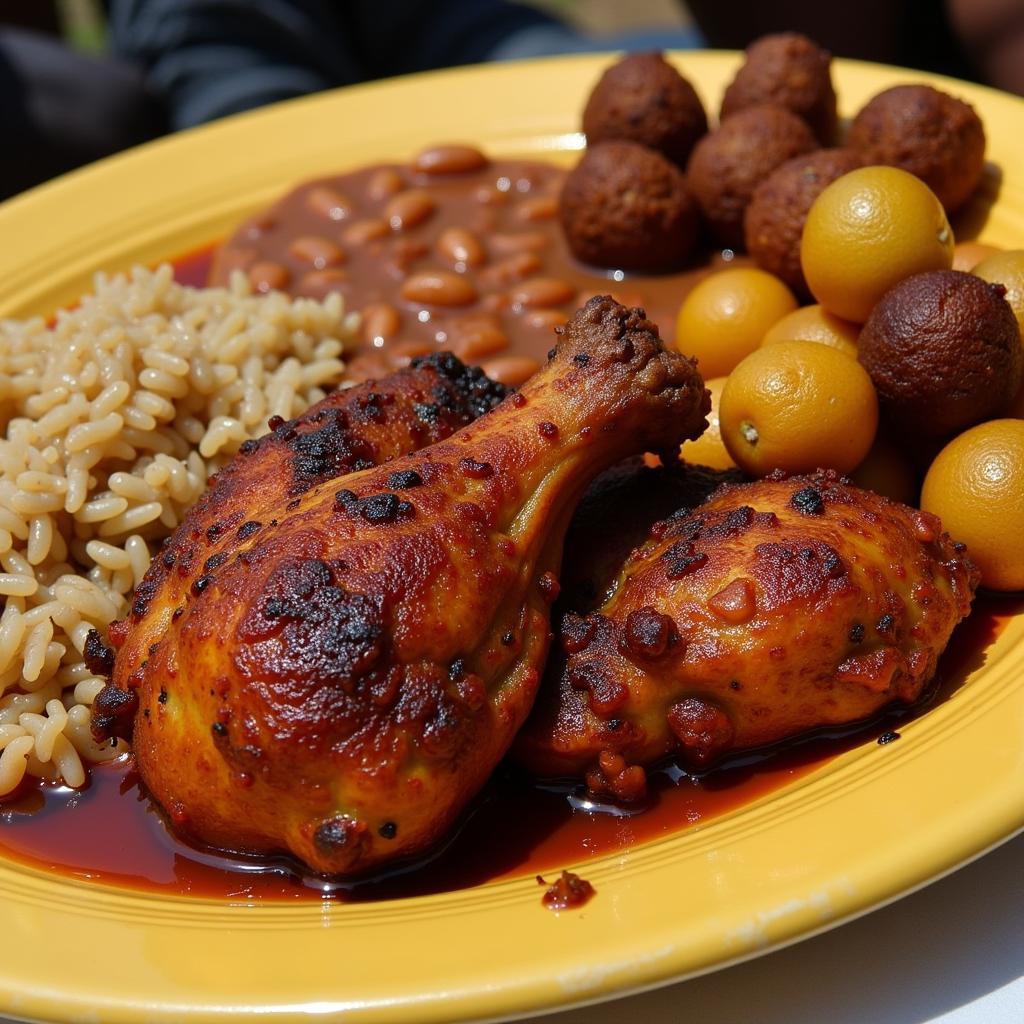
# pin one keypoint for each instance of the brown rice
(113, 418)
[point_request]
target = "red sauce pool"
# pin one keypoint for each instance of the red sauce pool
(110, 832)
(194, 267)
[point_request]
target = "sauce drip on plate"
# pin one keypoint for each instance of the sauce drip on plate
(110, 832)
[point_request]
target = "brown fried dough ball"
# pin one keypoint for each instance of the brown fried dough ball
(645, 99)
(927, 132)
(626, 206)
(944, 351)
(729, 163)
(774, 220)
(787, 70)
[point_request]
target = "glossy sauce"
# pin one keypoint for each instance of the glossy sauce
(110, 832)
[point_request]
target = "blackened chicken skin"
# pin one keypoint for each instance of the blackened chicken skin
(775, 608)
(343, 683)
(616, 516)
(351, 429)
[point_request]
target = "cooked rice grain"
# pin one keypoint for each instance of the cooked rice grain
(113, 419)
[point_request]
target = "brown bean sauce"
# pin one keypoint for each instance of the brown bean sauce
(110, 832)
(467, 255)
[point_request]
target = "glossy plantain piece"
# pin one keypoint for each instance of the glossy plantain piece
(775, 608)
(346, 679)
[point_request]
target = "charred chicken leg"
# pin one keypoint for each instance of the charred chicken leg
(774, 608)
(351, 429)
(347, 678)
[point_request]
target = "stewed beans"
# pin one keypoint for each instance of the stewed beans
(450, 251)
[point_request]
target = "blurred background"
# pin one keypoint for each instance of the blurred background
(81, 79)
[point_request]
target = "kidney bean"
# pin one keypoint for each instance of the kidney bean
(476, 335)
(329, 202)
(409, 249)
(488, 195)
(537, 208)
(404, 254)
(505, 243)
(268, 276)
(509, 271)
(438, 288)
(362, 231)
(380, 321)
(496, 302)
(486, 343)
(408, 209)
(542, 292)
(458, 246)
(385, 183)
(320, 252)
(319, 283)
(545, 319)
(259, 225)
(453, 159)
(511, 370)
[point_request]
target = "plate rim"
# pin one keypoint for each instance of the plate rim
(35, 900)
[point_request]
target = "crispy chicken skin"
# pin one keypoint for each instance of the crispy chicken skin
(343, 682)
(616, 515)
(775, 608)
(352, 429)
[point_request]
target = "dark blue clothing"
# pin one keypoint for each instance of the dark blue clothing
(60, 109)
(208, 58)
(179, 63)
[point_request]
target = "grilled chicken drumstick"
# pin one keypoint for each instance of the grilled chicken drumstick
(347, 679)
(351, 429)
(774, 608)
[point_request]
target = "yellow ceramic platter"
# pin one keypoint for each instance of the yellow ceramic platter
(864, 829)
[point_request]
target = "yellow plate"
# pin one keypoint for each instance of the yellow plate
(867, 827)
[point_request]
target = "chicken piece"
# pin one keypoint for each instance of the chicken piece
(348, 677)
(775, 608)
(351, 429)
(616, 515)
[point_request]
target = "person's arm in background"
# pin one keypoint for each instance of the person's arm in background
(60, 109)
(209, 58)
(992, 32)
(394, 37)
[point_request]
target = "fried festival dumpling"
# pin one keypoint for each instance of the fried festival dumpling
(346, 677)
(775, 608)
